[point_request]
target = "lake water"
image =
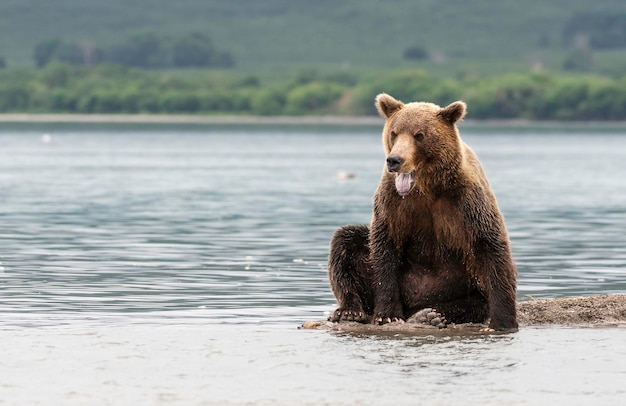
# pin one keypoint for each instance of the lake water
(173, 265)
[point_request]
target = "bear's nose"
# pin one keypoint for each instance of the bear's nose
(394, 162)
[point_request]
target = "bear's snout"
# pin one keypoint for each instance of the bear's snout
(394, 162)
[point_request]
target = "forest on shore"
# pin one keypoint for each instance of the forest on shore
(537, 60)
(108, 88)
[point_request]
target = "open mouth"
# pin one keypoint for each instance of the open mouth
(404, 183)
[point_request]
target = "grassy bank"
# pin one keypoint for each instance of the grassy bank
(110, 89)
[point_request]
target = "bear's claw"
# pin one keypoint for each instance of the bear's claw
(348, 315)
(385, 320)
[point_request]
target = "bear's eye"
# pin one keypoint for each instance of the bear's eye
(419, 136)
(393, 136)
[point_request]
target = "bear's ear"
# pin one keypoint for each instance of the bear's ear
(387, 105)
(453, 112)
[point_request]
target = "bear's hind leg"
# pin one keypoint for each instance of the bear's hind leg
(471, 309)
(348, 274)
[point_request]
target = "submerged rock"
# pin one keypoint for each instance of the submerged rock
(589, 311)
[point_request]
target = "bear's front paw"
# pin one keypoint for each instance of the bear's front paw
(384, 317)
(505, 323)
(343, 314)
(429, 316)
(380, 320)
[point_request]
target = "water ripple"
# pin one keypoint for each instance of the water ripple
(236, 225)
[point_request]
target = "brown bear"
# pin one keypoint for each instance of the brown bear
(437, 238)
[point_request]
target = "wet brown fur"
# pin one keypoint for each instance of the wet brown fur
(444, 245)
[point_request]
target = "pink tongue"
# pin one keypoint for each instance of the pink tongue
(404, 183)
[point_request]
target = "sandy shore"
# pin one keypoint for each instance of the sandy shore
(286, 120)
(590, 311)
(187, 119)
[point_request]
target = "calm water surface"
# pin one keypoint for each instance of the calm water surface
(172, 265)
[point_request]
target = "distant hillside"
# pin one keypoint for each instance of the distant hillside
(289, 35)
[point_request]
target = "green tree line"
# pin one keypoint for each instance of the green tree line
(61, 88)
(146, 50)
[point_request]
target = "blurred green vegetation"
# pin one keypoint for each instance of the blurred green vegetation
(62, 88)
(146, 50)
(540, 60)
(278, 38)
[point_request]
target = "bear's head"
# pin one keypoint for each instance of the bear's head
(421, 141)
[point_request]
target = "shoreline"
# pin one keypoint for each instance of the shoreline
(188, 119)
(28, 118)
